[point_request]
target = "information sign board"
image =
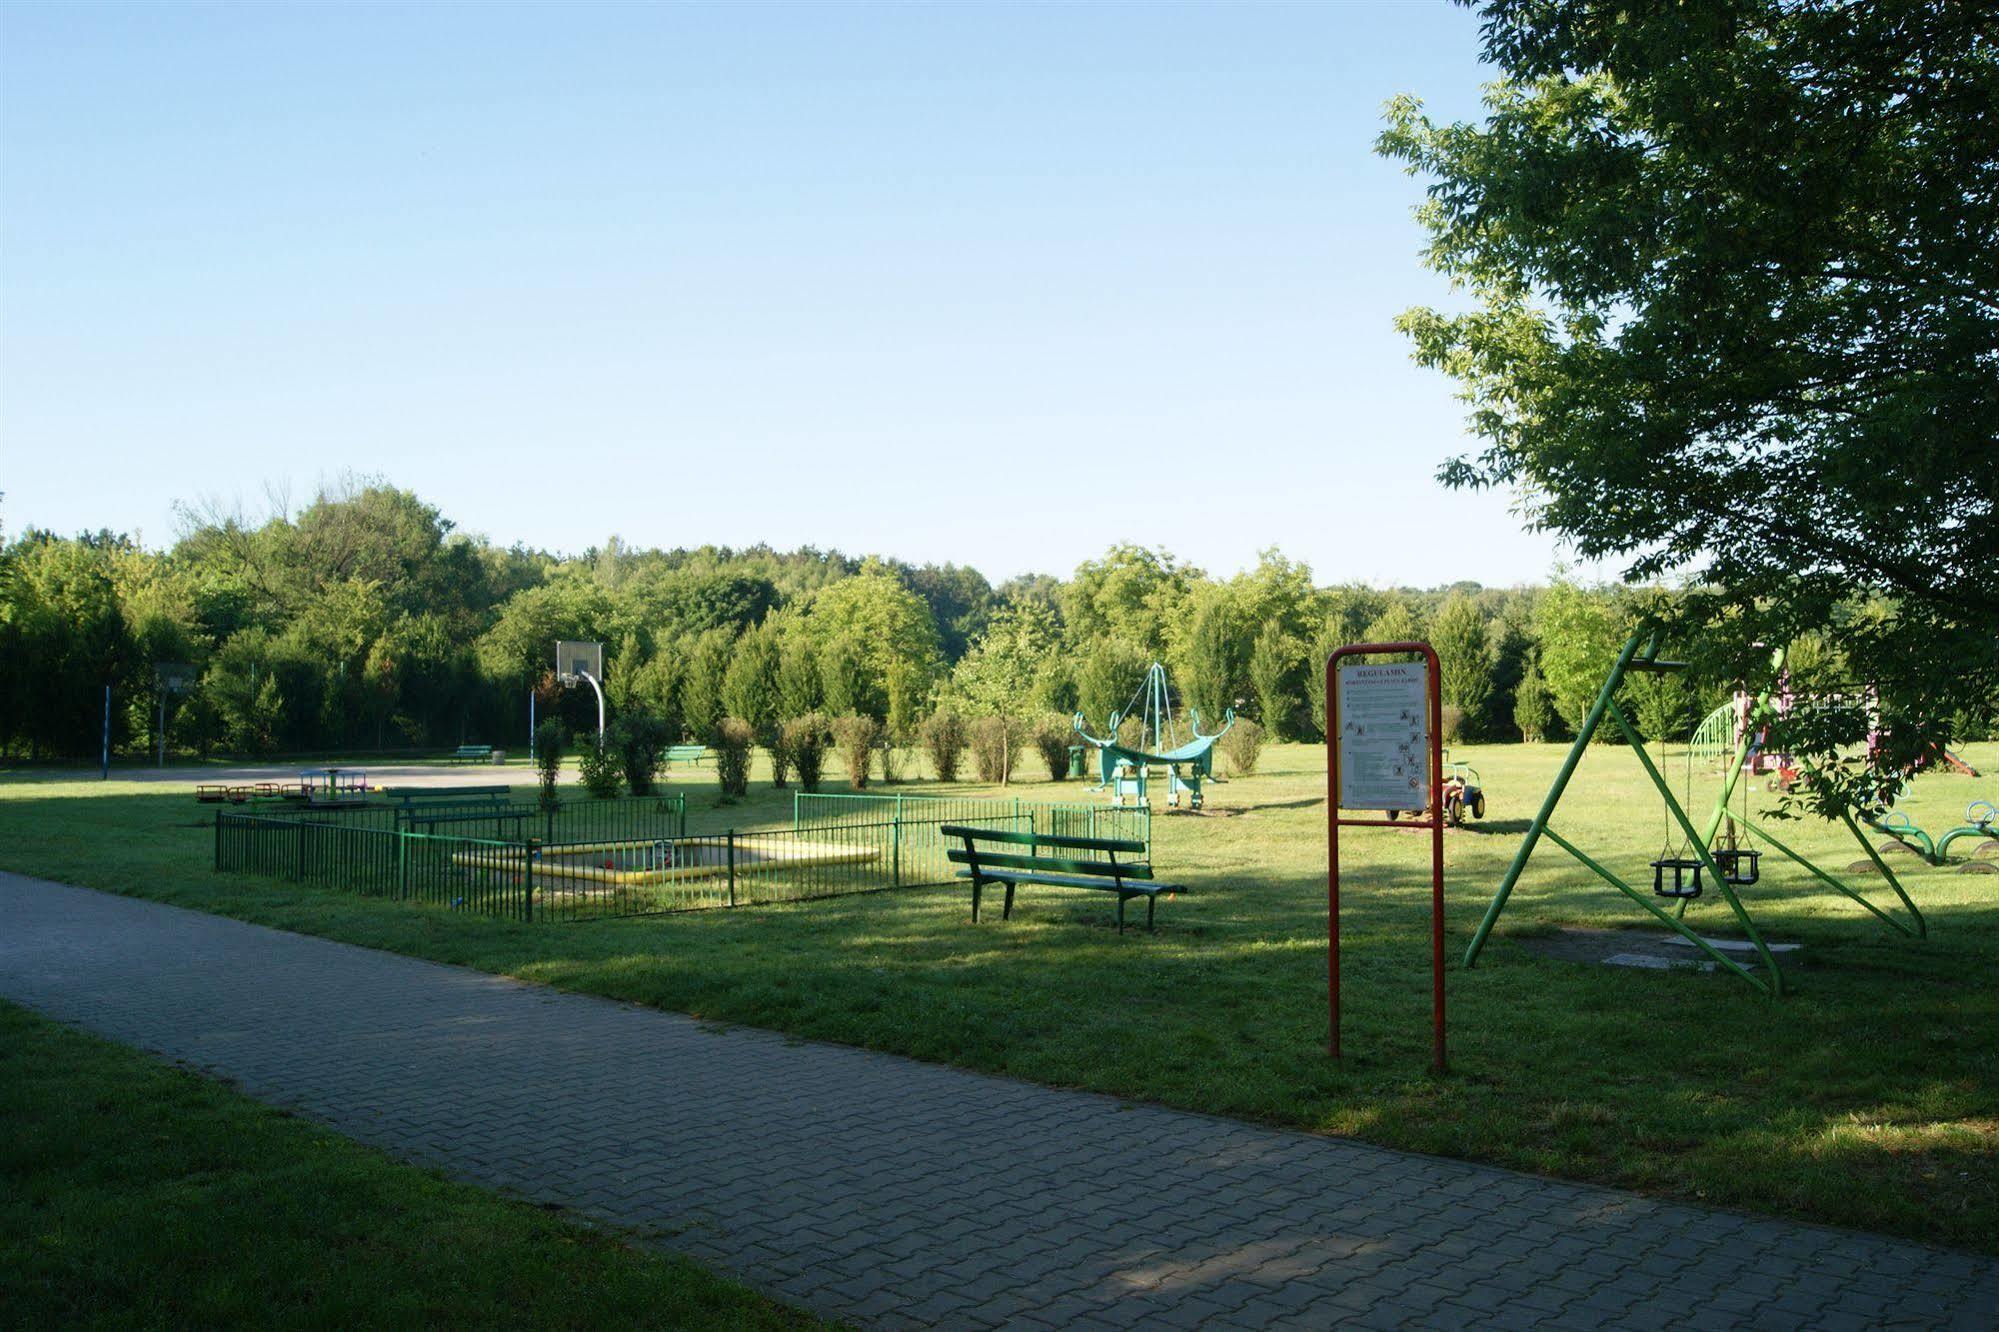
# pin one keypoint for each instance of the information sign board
(1384, 712)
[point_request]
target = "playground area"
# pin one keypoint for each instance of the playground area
(1877, 1064)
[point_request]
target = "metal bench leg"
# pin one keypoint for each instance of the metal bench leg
(975, 901)
(1151, 901)
(1006, 912)
(1120, 913)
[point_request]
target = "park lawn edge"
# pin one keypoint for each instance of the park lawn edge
(140, 1193)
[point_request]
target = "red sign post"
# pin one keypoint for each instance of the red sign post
(1384, 743)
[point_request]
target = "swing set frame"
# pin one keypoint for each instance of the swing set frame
(1641, 654)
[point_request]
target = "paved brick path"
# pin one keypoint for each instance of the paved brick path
(896, 1193)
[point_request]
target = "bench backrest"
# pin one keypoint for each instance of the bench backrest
(971, 853)
(407, 796)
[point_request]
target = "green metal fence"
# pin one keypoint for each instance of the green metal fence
(397, 864)
(631, 857)
(917, 848)
(621, 818)
(526, 878)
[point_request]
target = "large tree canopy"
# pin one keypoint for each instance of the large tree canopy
(1734, 313)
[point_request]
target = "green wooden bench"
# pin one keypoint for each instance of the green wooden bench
(424, 798)
(440, 804)
(471, 754)
(685, 754)
(1013, 869)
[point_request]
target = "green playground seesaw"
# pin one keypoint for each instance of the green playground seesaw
(1981, 823)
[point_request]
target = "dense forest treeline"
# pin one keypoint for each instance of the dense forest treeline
(365, 621)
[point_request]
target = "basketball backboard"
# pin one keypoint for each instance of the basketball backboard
(575, 659)
(174, 677)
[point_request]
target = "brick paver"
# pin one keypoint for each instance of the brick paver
(900, 1194)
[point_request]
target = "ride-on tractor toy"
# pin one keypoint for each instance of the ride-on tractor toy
(1462, 794)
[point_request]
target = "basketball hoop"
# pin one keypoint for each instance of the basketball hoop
(577, 661)
(170, 677)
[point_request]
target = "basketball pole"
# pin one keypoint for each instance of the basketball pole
(600, 705)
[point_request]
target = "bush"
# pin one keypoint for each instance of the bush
(805, 737)
(779, 749)
(599, 770)
(733, 737)
(944, 736)
(857, 736)
(639, 741)
(1052, 737)
(551, 738)
(891, 755)
(995, 744)
(1454, 723)
(1242, 746)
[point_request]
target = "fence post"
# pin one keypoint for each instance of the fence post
(218, 841)
(402, 865)
(898, 842)
(527, 883)
(298, 853)
(732, 867)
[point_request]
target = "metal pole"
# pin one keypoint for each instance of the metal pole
(599, 690)
(163, 728)
(107, 733)
(1436, 856)
(1332, 859)
(1554, 797)
(531, 758)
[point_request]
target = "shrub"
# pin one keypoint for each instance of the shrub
(857, 736)
(1242, 746)
(639, 741)
(995, 743)
(944, 736)
(599, 770)
(891, 755)
(1454, 723)
(805, 737)
(779, 749)
(1053, 735)
(551, 738)
(733, 737)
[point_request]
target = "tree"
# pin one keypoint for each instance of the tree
(996, 678)
(1132, 594)
(846, 681)
(750, 685)
(1107, 678)
(1581, 631)
(879, 621)
(1213, 652)
(799, 687)
(1735, 312)
(701, 706)
(1464, 660)
(1273, 668)
(1533, 705)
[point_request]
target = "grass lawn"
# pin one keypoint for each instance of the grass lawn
(1869, 1096)
(136, 1194)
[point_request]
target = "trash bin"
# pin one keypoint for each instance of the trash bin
(1075, 760)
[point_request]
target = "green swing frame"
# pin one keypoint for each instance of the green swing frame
(1641, 654)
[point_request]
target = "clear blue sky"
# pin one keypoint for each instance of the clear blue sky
(998, 285)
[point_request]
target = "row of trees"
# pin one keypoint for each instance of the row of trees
(364, 621)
